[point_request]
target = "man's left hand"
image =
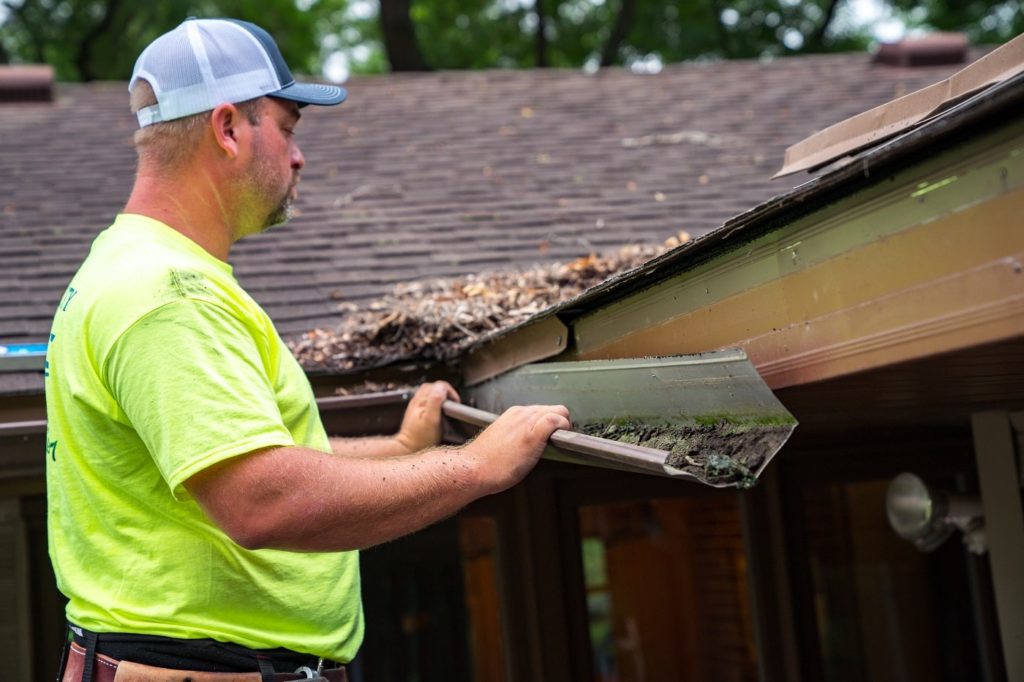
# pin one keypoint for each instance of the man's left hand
(421, 425)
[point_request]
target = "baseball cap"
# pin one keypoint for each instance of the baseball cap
(207, 62)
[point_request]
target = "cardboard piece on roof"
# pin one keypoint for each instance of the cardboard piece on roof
(878, 124)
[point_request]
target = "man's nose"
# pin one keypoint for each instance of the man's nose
(298, 160)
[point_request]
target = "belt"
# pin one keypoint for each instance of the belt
(107, 669)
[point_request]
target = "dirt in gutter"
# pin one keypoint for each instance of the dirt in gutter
(716, 449)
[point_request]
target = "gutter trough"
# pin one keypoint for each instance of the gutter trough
(620, 455)
(706, 418)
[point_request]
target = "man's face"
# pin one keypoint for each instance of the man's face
(276, 162)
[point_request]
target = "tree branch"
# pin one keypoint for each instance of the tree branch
(83, 55)
(621, 29)
(400, 42)
(37, 41)
(541, 42)
(817, 39)
(724, 39)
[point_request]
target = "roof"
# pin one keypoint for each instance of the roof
(444, 174)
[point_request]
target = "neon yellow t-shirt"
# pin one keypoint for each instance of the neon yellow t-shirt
(160, 365)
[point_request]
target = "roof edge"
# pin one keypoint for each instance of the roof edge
(884, 121)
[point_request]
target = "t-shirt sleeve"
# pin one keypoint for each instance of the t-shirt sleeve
(192, 380)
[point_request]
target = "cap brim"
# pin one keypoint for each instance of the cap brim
(312, 93)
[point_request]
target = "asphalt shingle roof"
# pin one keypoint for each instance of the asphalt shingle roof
(444, 174)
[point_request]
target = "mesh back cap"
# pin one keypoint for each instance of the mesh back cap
(206, 62)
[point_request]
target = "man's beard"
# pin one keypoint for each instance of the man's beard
(281, 214)
(263, 182)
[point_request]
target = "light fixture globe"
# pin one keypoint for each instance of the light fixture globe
(917, 513)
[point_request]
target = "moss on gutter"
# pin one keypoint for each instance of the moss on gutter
(718, 449)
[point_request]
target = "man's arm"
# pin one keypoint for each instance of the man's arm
(304, 500)
(421, 427)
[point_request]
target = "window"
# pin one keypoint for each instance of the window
(667, 593)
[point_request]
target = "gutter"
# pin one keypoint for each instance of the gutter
(20, 357)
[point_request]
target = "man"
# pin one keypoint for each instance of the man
(200, 518)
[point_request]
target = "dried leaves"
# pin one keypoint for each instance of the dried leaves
(437, 319)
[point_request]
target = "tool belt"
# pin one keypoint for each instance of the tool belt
(81, 650)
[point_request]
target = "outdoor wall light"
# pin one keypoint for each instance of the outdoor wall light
(926, 516)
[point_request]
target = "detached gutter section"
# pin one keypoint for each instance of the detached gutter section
(706, 418)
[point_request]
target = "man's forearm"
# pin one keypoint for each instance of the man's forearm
(305, 500)
(370, 446)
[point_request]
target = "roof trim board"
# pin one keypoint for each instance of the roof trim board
(944, 285)
(891, 118)
(544, 338)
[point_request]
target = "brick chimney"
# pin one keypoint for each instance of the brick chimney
(928, 50)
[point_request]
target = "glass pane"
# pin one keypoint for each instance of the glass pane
(432, 607)
(882, 609)
(667, 591)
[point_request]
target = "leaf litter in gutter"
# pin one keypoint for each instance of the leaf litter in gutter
(437, 319)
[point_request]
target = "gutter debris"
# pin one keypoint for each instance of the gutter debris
(718, 451)
(367, 387)
(438, 319)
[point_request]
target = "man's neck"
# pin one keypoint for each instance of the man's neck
(195, 209)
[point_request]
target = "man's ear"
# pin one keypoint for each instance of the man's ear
(225, 121)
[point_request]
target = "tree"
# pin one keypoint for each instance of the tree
(620, 30)
(571, 33)
(983, 21)
(400, 42)
(100, 39)
(476, 34)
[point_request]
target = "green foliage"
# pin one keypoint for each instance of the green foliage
(474, 34)
(984, 22)
(100, 39)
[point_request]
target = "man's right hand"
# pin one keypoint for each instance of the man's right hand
(509, 448)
